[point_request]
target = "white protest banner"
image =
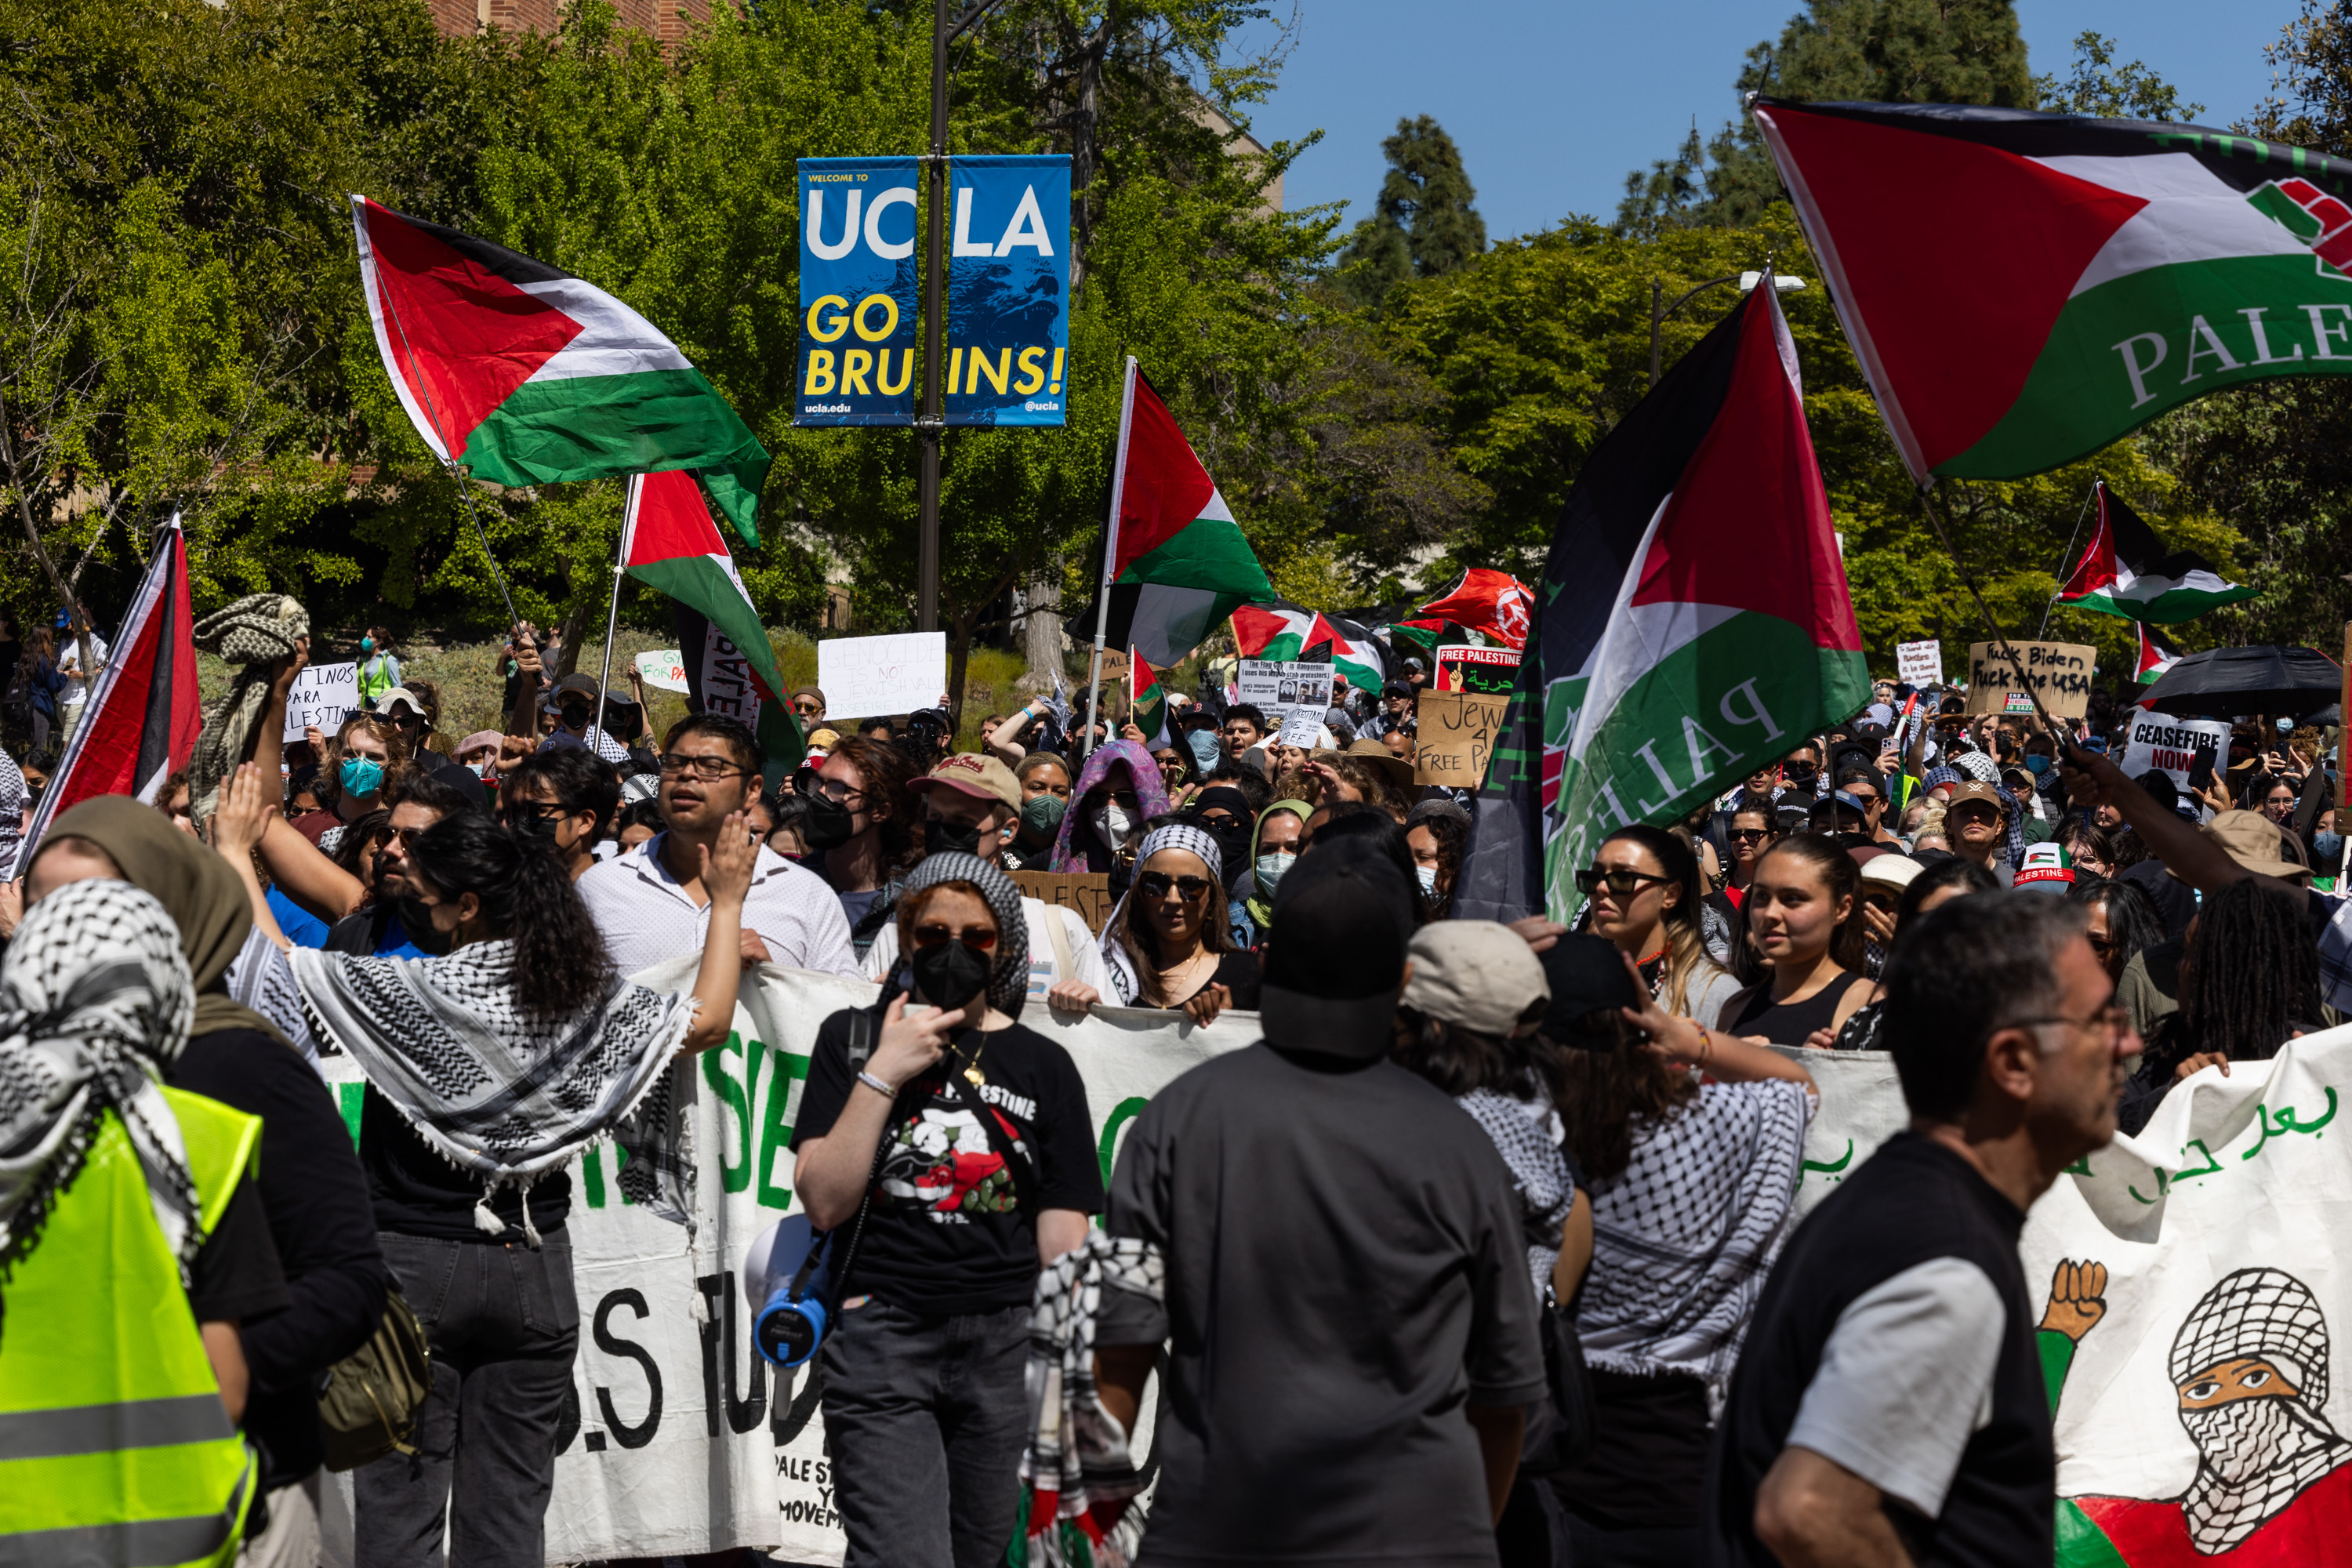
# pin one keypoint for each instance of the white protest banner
(663, 669)
(684, 1439)
(2170, 745)
(1277, 688)
(865, 677)
(324, 695)
(1299, 727)
(1919, 663)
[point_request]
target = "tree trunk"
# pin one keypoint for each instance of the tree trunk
(1041, 633)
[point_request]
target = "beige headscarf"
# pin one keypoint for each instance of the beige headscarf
(196, 889)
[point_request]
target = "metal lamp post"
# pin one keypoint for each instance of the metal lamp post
(1746, 281)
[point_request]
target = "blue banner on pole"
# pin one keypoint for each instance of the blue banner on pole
(858, 291)
(1009, 291)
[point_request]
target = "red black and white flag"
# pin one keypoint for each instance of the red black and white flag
(2023, 288)
(2155, 655)
(143, 713)
(2127, 570)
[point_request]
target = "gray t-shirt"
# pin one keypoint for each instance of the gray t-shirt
(1346, 1271)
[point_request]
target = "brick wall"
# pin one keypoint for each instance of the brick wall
(666, 20)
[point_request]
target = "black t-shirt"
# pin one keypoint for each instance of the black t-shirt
(317, 1203)
(1237, 971)
(235, 1274)
(2175, 901)
(944, 1234)
(417, 1192)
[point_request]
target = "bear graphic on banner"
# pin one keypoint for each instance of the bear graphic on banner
(2249, 1368)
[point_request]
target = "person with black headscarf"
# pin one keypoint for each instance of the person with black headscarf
(960, 1141)
(1346, 1274)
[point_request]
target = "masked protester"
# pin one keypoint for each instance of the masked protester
(564, 802)
(365, 755)
(965, 1142)
(864, 829)
(378, 928)
(1118, 792)
(1281, 829)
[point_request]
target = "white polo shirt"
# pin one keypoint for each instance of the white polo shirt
(646, 916)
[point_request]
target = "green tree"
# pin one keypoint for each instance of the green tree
(2106, 90)
(1423, 224)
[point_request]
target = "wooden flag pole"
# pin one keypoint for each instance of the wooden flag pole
(2007, 646)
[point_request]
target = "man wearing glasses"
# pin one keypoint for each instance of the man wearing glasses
(808, 707)
(650, 903)
(375, 931)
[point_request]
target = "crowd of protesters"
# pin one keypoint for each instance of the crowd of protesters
(1485, 1252)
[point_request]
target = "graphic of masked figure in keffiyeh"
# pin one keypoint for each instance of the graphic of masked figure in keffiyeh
(2249, 1367)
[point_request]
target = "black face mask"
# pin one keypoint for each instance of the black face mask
(574, 718)
(1232, 843)
(1798, 772)
(949, 974)
(416, 920)
(829, 824)
(940, 834)
(532, 828)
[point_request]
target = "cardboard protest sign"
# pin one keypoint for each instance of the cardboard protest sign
(1454, 733)
(663, 669)
(324, 695)
(2057, 672)
(1088, 892)
(1919, 663)
(865, 677)
(1464, 667)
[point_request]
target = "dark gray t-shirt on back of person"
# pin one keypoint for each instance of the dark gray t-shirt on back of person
(1345, 1272)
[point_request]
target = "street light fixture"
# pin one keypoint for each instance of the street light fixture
(1781, 284)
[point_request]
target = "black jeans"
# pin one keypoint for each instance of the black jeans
(503, 1323)
(925, 1418)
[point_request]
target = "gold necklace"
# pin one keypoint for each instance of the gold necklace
(972, 1072)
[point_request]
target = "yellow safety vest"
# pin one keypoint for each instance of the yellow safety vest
(114, 1447)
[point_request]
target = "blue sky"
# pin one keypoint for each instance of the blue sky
(1553, 103)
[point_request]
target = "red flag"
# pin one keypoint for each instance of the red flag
(143, 712)
(1487, 601)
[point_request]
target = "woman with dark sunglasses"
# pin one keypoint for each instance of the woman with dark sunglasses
(1641, 893)
(1168, 943)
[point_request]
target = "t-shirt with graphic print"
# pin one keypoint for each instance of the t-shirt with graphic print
(945, 1233)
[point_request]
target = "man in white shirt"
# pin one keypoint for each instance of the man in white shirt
(969, 800)
(78, 680)
(650, 903)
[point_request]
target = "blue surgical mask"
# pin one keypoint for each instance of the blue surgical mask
(361, 775)
(2327, 852)
(367, 645)
(2036, 763)
(1268, 870)
(1203, 746)
(1428, 875)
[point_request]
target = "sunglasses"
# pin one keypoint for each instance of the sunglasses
(1621, 883)
(1158, 884)
(1750, 835)
(806, 710)
(932, 933)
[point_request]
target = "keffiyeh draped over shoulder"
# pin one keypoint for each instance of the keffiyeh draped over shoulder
(505, 1094)
(1142, 777)
(1078, 1474)
(94, 1004)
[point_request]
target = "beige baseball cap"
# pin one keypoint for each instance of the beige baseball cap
(1479, 974)
(981, 777)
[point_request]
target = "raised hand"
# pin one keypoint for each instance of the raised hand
(2078, 1299)
(243, 813)
(910, 1046)
(726, 865)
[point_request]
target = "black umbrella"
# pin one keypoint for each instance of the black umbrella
(2224, 682)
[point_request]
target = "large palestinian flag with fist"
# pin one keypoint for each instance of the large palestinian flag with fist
(2023, 288)
(1693, 622)
(529, 376)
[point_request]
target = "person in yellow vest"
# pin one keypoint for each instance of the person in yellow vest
(132, 1243)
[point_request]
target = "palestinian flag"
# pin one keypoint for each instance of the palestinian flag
(1422, 639)
(669, 544)
(143, 713)
(1175, 562)
(1694, 622)
(2125, 571)
(2155, 655)
(1487, 601)
(2023, 288)
(1359, 655)
(1280, 630)
(1147, 699)
(528, 376)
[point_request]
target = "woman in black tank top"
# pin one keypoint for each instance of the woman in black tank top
(1804, 914)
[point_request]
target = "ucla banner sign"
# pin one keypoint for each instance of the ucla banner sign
(857, 292)
(1009, 291)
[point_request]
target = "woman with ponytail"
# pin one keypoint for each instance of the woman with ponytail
(1803, 913)
(1642, 892)
(491, 1064)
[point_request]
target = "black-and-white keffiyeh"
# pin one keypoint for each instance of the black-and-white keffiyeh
(1170, 836)
(13, 800)
(1682, 1237)
(1077, 1472)
(503, 1093)
(1521, 1133)
(95, 1001)
(1008, 974)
